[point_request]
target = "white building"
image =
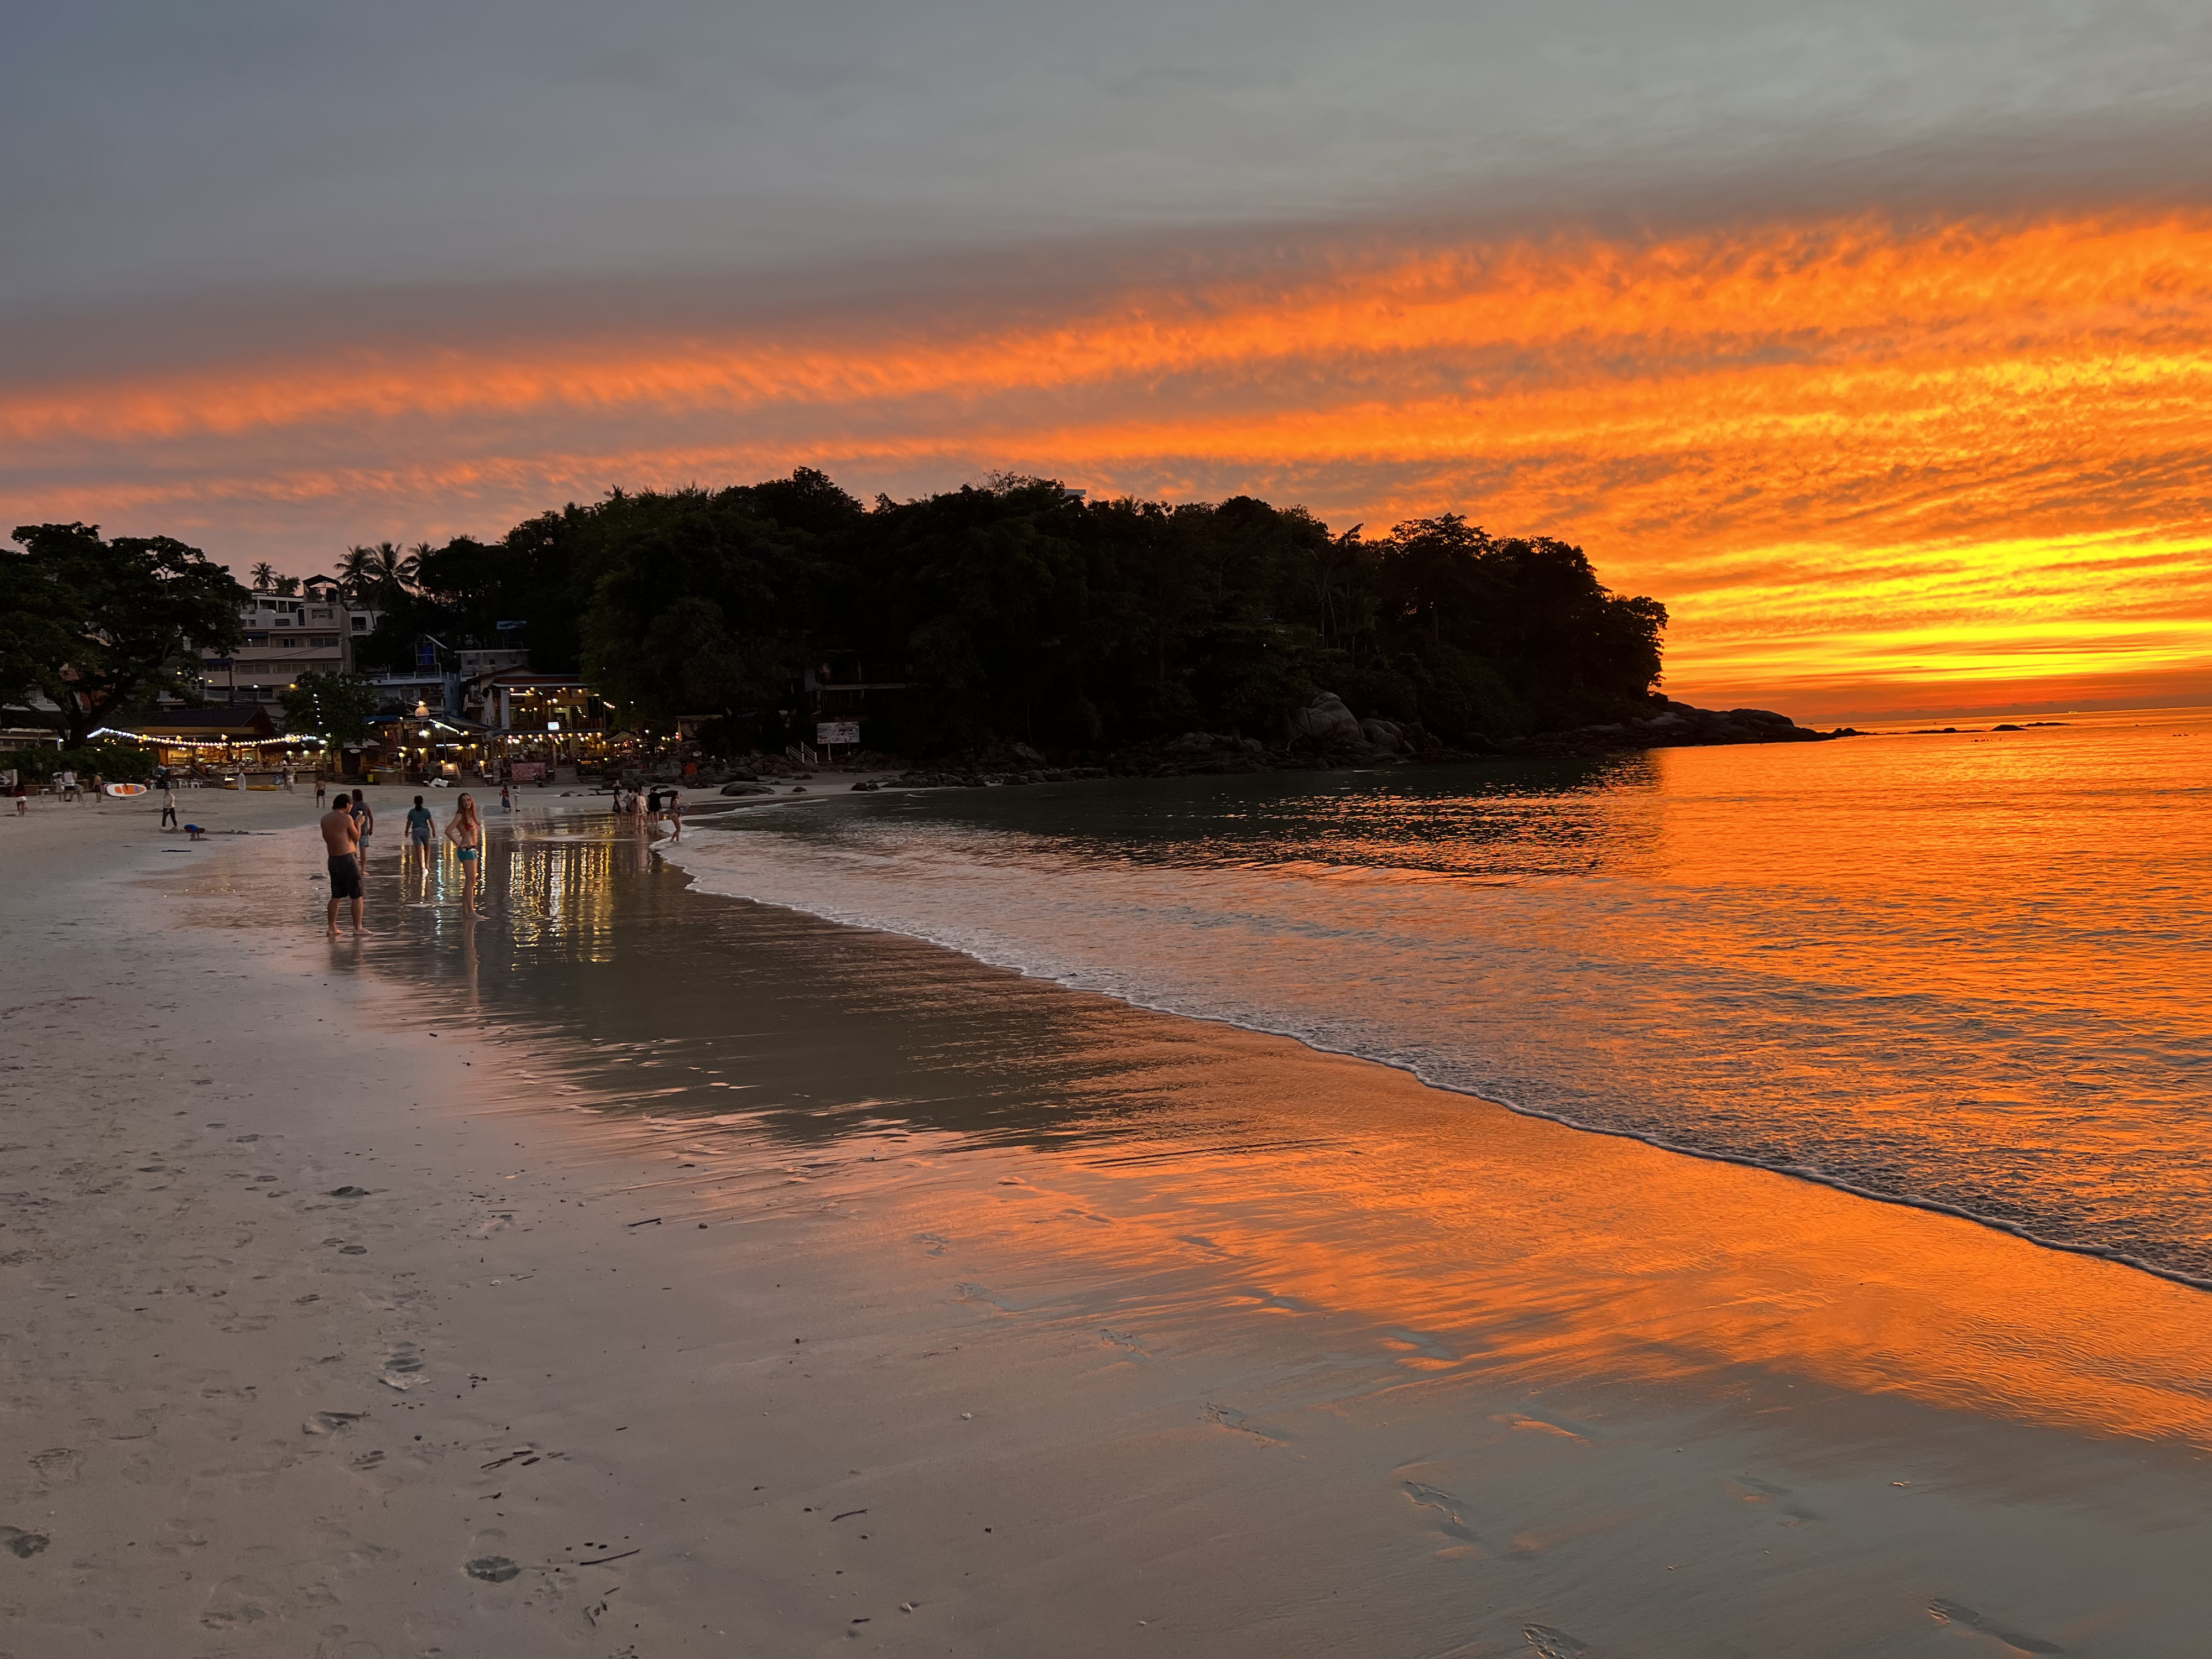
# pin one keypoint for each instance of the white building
(286, 635)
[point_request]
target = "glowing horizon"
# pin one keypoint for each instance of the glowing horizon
(1868, 466)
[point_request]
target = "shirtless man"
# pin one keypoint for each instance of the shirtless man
(341, 839)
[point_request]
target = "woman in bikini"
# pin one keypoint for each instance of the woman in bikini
(466, 833)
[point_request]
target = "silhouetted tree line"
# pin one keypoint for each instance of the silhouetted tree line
(1016, 611)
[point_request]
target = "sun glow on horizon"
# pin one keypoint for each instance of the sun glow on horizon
(1866, 466)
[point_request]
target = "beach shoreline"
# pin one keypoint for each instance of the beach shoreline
(1434, 1379)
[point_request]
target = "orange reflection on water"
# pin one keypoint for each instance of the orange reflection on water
(1455, 1241)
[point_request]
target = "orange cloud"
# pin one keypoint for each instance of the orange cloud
(1867, 465)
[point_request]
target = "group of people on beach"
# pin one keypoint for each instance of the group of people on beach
(66, 786)
(647, 807)
(348, 826)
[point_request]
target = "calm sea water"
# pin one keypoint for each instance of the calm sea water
(1969, 971)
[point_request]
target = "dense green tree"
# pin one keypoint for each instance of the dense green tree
(97, 625)
(1015, 611)
(334, 707)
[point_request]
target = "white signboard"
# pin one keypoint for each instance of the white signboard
(837, 732)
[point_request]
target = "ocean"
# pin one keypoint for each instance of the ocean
(1960, 971)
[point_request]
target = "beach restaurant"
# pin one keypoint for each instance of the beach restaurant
(554, 717)
(422, 746)
(226, 736)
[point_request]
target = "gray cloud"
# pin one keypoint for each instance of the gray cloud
(160, 151)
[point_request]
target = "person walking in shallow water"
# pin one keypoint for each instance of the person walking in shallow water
(466, 834)
(342, 841)
(418, 829)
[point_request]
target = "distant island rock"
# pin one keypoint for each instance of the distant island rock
(1326, 734)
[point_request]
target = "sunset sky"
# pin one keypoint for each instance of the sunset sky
(1876, 339)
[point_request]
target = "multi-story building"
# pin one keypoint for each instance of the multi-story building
(445, 681)
(286, 635)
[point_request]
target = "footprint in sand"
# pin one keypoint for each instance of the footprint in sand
(56, 1467)
(23, 1544)
(1429, 1347)
(1750, 1490)
(1538, 1425)
(1229, 1417)
(1554, 1644)
(1435, 1497)
(402, 1368)
(1946, 1612)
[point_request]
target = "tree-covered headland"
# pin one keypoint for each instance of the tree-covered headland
(1018, 611)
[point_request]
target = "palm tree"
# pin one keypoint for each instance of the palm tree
(391, 572)
(264, 577)
(354, 578)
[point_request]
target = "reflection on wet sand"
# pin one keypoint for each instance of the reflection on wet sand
(1515, 1246)
(1600, 1371)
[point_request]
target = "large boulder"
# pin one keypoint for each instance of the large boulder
(1384, 734)
(1326, 723)
(1197, 745)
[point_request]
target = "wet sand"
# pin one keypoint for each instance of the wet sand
(727, 1281)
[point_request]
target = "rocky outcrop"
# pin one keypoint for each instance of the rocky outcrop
(1387, 735)
(1326, 723)
(1325, 734)
(968, 778)
(1674, 726)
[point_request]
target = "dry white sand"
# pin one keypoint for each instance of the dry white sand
(334, 1332)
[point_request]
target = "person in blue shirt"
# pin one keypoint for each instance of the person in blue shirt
(419, 828)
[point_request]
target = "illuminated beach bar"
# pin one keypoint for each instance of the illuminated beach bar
(230, 738)
(557, 720)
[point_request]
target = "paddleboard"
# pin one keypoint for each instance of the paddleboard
(124, 788)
